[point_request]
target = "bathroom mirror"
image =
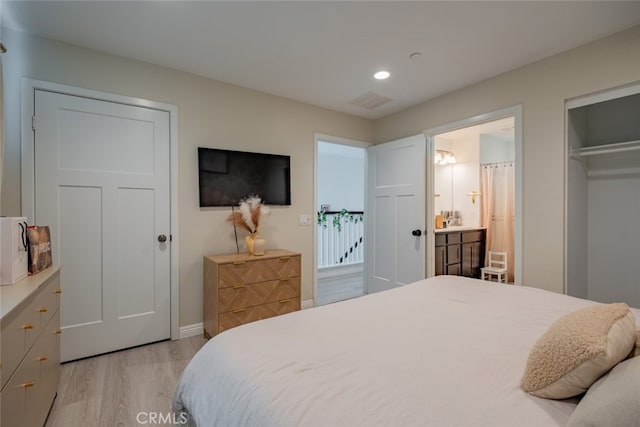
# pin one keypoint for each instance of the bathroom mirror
(443, 188)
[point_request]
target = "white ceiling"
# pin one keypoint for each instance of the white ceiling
(325, 53)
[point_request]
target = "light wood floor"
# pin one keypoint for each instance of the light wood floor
(339, 288)
(110, 390)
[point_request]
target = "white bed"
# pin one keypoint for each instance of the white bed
(446, 351)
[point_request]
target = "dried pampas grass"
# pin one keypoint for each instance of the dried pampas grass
(249, 214)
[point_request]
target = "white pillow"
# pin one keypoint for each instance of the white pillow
(578, 349)
(613, 400)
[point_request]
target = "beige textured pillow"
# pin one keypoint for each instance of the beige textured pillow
(578, 349)
(636, 349)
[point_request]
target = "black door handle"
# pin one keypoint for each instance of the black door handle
(162, 238)
(416, 233)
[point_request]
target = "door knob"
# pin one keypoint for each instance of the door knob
(416, 232)
(162, 238)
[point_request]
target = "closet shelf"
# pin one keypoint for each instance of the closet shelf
(605, 149)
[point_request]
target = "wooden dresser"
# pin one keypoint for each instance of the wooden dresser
(241, 288)
(30, 348)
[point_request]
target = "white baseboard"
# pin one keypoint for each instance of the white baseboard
(191, 330)
(198, 328)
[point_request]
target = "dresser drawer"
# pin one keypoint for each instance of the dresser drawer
(238, 317)
(246, 272)
(453, 238)
(472, 236)
(18, 335)
(21, 328)
(47, 301)
(27, 396)
(441, 239)
(242, 296)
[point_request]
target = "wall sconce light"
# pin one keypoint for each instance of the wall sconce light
(444, 157)
(473, 195)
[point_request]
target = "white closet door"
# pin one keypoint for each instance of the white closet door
(102, 185)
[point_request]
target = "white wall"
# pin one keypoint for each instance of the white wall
(577, 210)
(613, 236)
(494, 149)
(219, 115)
(211, 114)
(541, 88)
(341, 171)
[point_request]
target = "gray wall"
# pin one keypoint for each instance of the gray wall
(220, 115)
(541, 88)
(211, 114)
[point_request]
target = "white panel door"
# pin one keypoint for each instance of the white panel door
(102, 185)
(396, 213)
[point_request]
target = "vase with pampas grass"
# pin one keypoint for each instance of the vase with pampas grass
(248, 216)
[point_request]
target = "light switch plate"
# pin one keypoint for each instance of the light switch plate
(304, 220)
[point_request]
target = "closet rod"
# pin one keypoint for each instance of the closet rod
(606, 149)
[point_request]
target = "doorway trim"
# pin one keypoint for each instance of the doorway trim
(29, 86)
(317, 137)
(430, 134)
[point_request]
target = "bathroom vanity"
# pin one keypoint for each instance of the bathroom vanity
(459, 251)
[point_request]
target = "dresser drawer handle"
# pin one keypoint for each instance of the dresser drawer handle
(239, 286)
(41, 359)
(238, 262)
(57, 291)
(28, 326)
(284, 301)
(239, 310)
(42, 310)
(27, 384)
(285, 258)
(57, 332)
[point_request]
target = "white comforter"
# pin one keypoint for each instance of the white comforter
(446, 351)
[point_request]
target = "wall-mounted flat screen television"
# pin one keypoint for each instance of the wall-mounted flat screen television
(226, 177)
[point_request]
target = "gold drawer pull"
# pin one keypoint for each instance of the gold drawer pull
(238, 262)
(41, 359)
(57, 332)
(57, 291)
(285, 258)
(27, 384)
(28, 326)
(239, 310)
(42, 310)
(239, 286)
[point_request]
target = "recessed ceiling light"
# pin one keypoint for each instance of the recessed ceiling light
(381, 75)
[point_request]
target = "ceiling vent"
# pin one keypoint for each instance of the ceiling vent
(370, 100)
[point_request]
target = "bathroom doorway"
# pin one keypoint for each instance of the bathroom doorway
(476, 191)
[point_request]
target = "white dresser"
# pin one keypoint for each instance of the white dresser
(29, 348)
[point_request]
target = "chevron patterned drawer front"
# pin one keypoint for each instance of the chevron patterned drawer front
(241, 288)
(256, 271)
